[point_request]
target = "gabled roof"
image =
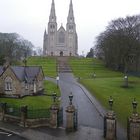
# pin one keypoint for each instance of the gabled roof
(32, 72)
(61, 28)
(27, 73)
(19, 72)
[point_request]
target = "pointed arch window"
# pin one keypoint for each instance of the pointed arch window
(8, 83)
(61, 37)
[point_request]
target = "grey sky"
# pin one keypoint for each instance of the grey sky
(30, 17)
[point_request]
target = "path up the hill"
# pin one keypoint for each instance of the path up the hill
(62, 65)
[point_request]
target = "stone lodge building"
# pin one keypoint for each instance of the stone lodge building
(60, 42)
(18, 81)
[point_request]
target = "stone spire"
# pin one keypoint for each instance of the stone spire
(70, 15)
(45, 32)
(52, 17)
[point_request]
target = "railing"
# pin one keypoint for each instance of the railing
(38, 113)
(13, 110)
(31, 113)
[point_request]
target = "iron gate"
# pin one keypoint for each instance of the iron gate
(60, 117)
(75, 119)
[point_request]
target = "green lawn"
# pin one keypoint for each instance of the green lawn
(36, 102)
(50, 88)
(85, 67)
(48, 64)
(107, 83)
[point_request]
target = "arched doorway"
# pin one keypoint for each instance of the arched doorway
(61, 53)
(70, 53)
(51, 53)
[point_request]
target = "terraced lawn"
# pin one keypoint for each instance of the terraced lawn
(48, 64)
(86, 67)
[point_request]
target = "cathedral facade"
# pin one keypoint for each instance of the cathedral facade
(60, 42)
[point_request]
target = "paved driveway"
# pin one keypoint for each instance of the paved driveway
(87, 113)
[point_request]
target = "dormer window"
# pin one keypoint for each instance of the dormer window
(8, 83)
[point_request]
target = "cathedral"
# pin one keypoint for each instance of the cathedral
(60, 42)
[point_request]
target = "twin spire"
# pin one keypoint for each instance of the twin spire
(52, 17)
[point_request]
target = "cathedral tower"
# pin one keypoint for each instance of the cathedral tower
(60, 42)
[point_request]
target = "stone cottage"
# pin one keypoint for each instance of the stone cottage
(19, 81)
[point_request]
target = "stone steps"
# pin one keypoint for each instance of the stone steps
(62, 65)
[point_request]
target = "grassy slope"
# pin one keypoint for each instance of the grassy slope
(108, 83)
(48, 64)
(85, 67)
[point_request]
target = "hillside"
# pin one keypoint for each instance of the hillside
(107, 83)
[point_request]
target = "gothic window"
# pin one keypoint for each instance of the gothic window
(61, 37)
(70, 27)
(52, 26)
(8, 83)
(71, 19)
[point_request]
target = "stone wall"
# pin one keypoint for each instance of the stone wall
(24, 121)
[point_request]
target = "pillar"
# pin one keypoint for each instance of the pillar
(24, 112)
(110, 126)
(3, 111)
(133, 127)
(133, 124)
(70, 118)
(54, 116)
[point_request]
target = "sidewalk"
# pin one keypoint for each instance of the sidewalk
(44, 133)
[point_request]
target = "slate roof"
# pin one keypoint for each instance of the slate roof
(1, 70)
(27, 73)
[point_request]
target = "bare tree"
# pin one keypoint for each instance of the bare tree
(119, 44)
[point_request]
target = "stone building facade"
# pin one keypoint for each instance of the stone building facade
(18, 81)
(60, 42)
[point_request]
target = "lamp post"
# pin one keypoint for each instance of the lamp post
(54, 97)
(57, 80)
(134, 104)
(110, 102)
(128, 62)
(94, 74)
(70, 98)
(126, 81)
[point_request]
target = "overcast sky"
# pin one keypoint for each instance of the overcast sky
(30, 17)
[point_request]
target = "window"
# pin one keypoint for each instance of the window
(26, 86)
(8, 83)
(70, 27)
(52, 26)
(61, 37)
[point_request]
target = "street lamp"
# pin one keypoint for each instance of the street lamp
(128, 60)
(94, 75)
(54, 97)
(70, 98)
(110, 102)
(134, 103)
(57, 80)
(125, 81)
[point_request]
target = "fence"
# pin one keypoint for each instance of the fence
(38, 113)
(31, 117)
(13, 110)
